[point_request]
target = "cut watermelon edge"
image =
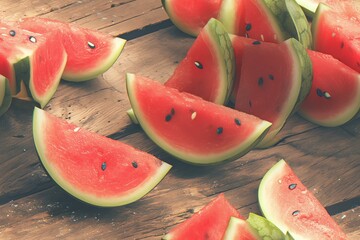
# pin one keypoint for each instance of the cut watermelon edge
(39, 120)
(5, 95)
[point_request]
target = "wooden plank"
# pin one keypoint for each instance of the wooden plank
(113, 16)
(350, 222)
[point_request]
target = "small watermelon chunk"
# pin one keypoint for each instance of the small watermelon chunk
(95, 169)
(287, 203)
(5, 95)
(191, 16)
(190, 128)
(208, 69)
(90, 52)
(334, 97)
(38, 60)
(275, 78)
(338, 34)
(239, 229)
(209, 223)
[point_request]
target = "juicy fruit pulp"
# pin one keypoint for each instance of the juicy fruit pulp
(90, 52)
(334, 97)
(207, 70)
(337, 34)
(189, 128)
(209, 223)
(95, 169)
(287, 203)
(275, 78)
(239, 229)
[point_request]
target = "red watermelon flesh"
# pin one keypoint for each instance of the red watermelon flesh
(337, 34)
(239, 229)
(334, 97)
(207, 70)
(209, 223)
(287, 203)
(239, 43)
(273, 81)
(190, 128)
(38, 60)
(91, 167)
(191, 16)
(90, 52)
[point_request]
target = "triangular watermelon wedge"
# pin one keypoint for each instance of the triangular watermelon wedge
(239, 229)
(90, 52)
(287, 203)
(37, 60)
(209, 223)
(95, 169)
(190, 128)
(5, 95)
(208, 69)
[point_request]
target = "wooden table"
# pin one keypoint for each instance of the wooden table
(33, 207)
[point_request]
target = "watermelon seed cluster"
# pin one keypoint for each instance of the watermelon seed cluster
(170, 115)
(324, 94)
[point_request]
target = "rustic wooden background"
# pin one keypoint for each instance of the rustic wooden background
(33, 207)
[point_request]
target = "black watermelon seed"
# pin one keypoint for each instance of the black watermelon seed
(271, 77)
(219, 130)
(103, 166)
(295, 213)
(237, 121)
(12, 33)
(292, 186)
(32, 39)
(256, 42)
(260, 81)
(250, 104)
(172, 111)
(168, 117)
(342, 45)
(319, 92)
(327, 95)
(248, 27)
(91, 45)
(198, 65)
(134, 164)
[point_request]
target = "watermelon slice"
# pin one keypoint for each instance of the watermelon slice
(275, 78)
(95, 169)
(286, 202)
(190, 128)
(338, 34)
(208, 69)
(334, 97)
(90, 52)
(209, 223)
(191, 16)
(270, 21)
(38, 60)
(239, 229)
(5, 95)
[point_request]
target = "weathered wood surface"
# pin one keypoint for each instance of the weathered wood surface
(33, 207)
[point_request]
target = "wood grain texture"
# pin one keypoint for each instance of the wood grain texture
(33, 207)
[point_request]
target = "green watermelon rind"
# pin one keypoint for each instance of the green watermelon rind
(5, 95)
(224, 51)
(104, 65)
(266, 229)
(232, 230)
(300, 89)
(195, 159)
(129, 197)
(227, 15)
